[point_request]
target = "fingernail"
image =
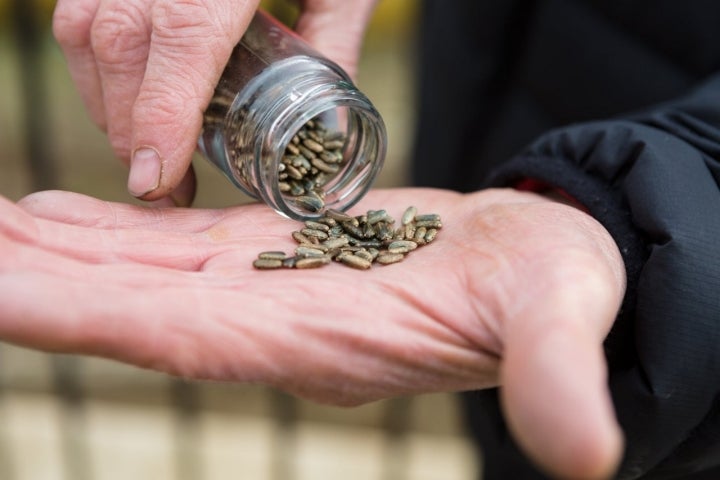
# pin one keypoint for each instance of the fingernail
(145, 171)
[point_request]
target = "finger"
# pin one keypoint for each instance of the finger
(15, 223)
(190, 45)
(336, 29)
(77, 209)
(120, 40)
(72, 21)
(555, 392)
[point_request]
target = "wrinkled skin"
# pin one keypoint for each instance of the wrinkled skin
(517, 291)
(146, 70)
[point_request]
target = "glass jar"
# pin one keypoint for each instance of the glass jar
(274, 90)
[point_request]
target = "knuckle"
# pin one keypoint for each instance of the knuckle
(118, 35)
(72, 21)
(169, 16)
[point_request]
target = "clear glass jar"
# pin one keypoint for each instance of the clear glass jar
(273, 85)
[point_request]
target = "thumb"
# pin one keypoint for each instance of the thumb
(190, 44)
(555, 394)
(336, 29)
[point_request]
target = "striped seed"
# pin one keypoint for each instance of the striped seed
(272, 255)
(310, 233)
(388, 258)
(354, 261)
(430, 235)
(312, 262)
(409, 215)
(303, 251)
(267, 263)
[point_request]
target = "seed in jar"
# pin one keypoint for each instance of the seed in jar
(333, 144)
(313, 145)
(310, 203)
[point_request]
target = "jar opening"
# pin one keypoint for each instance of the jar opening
(328, 158)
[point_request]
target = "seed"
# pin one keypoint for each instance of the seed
(296, 190)
(284, 187)
(384, 233)
(303, 251)
(355, 262)
(420, 235)
(310, 233)
(368, 231)
(292, 148)
(376, 216)
(409, 231)
(317, 226)
(429, 223)
(337, 215)
(267, 263)
(272, 255)
(338, 242)
(364, 254)
(306, 152)
(324, 167)
(329, 157)
(427, 217)
(293, 172)
(353, 229)
(333, 144)
(409, 215)
(300, 238)
(334, 135)
(310, 203)
(312, 262)
(330, 222)
(289, 262)
(313, 145)
(402, 246)
(430, 235)
(388, 258)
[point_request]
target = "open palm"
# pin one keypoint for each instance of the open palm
(517, 291)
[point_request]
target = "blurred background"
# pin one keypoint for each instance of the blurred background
(63, 417)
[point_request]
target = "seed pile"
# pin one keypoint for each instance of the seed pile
(356, 242)
(311, 159)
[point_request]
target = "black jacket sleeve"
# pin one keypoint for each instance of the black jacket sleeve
(652, 180)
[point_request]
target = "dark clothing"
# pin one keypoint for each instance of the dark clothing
(619, 102)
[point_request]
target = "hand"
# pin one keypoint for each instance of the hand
(146, 70)
(516, 290)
